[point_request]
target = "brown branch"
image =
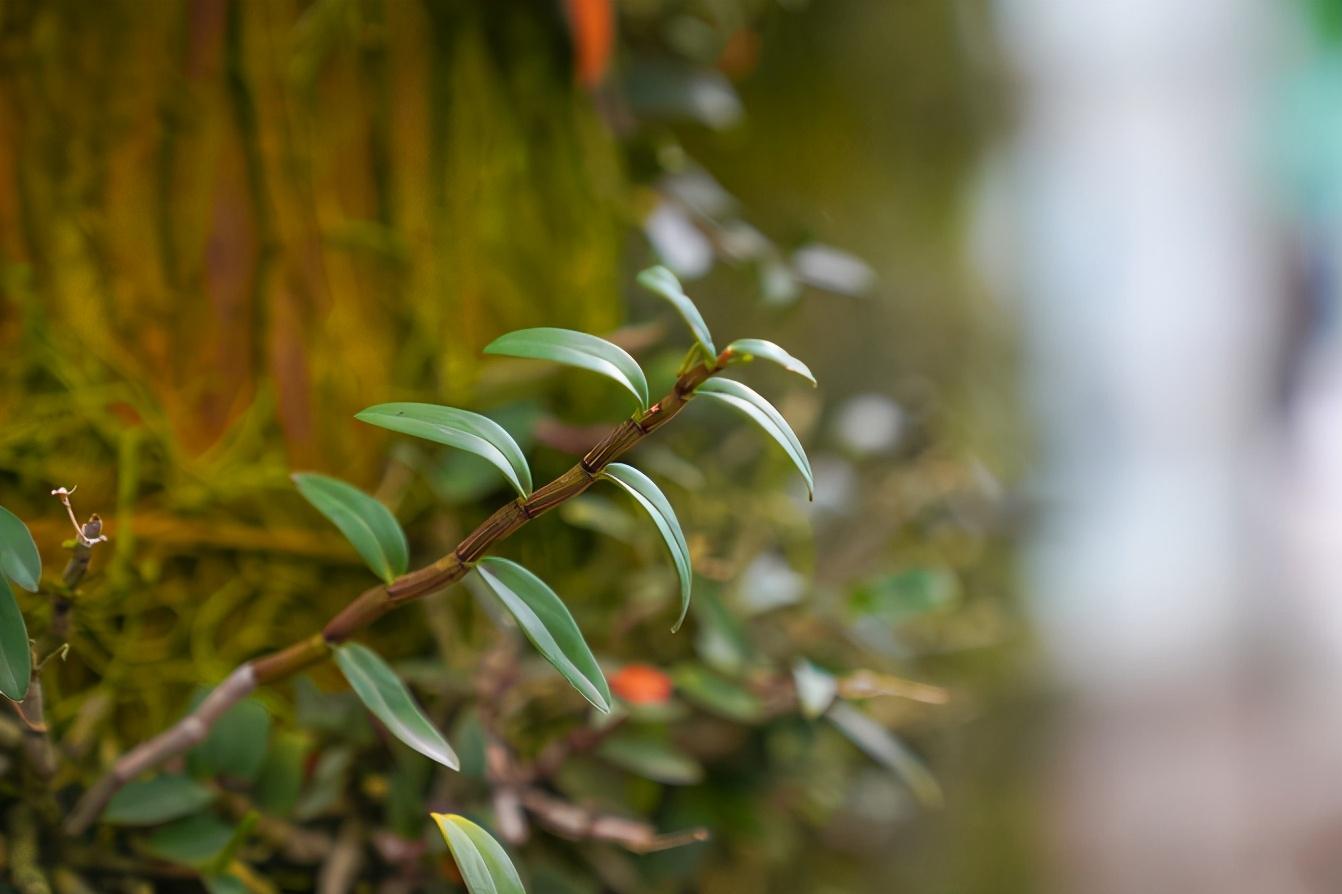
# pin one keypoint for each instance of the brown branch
(577, 823)
(189, 731)
(375, 602)
(496, 675)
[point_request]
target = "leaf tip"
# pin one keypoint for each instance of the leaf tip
(684, 613)
(656, 277)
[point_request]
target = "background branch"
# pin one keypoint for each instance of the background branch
(576, 823)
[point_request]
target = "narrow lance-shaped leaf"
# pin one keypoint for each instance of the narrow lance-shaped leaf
(383, 693)
(663, 282)
(546, 621)
(641, 488)
(365, 522)
(744, 350)
(483, 862)
(19, 560)
(577, 349)
(746, 401)
(882, 746)
(16, 661)
(461, 429)
(151, 801)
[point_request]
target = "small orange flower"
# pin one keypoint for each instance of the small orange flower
(641, 684)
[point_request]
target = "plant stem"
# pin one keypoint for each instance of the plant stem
(24, 856)
(37, 737)
(377, 601)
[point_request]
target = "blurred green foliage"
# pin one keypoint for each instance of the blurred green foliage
(226, 227)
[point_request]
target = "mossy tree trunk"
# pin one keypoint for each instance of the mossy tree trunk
(247, 215)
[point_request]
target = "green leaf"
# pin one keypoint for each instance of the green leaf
(149, 802)
(815, 688)
(744, 400)
(365, 522)
(16, 659)
(483, 862)
(458, 477)
(908, 594)
(882, 746)
(19, 560)
(547, 622)
(237, 743)
(744, 350)
(280, 781)
(224, 884)
(717, 695)
(652, 757)
(194, 841)
(721, 639)
(576, 349)
(377, 685)
(456, 428)
(650, 497)
(663, 282)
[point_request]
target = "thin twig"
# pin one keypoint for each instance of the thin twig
(496, 674)
(375, 602)
(342, 866)
(186, 733)
(577, 823)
